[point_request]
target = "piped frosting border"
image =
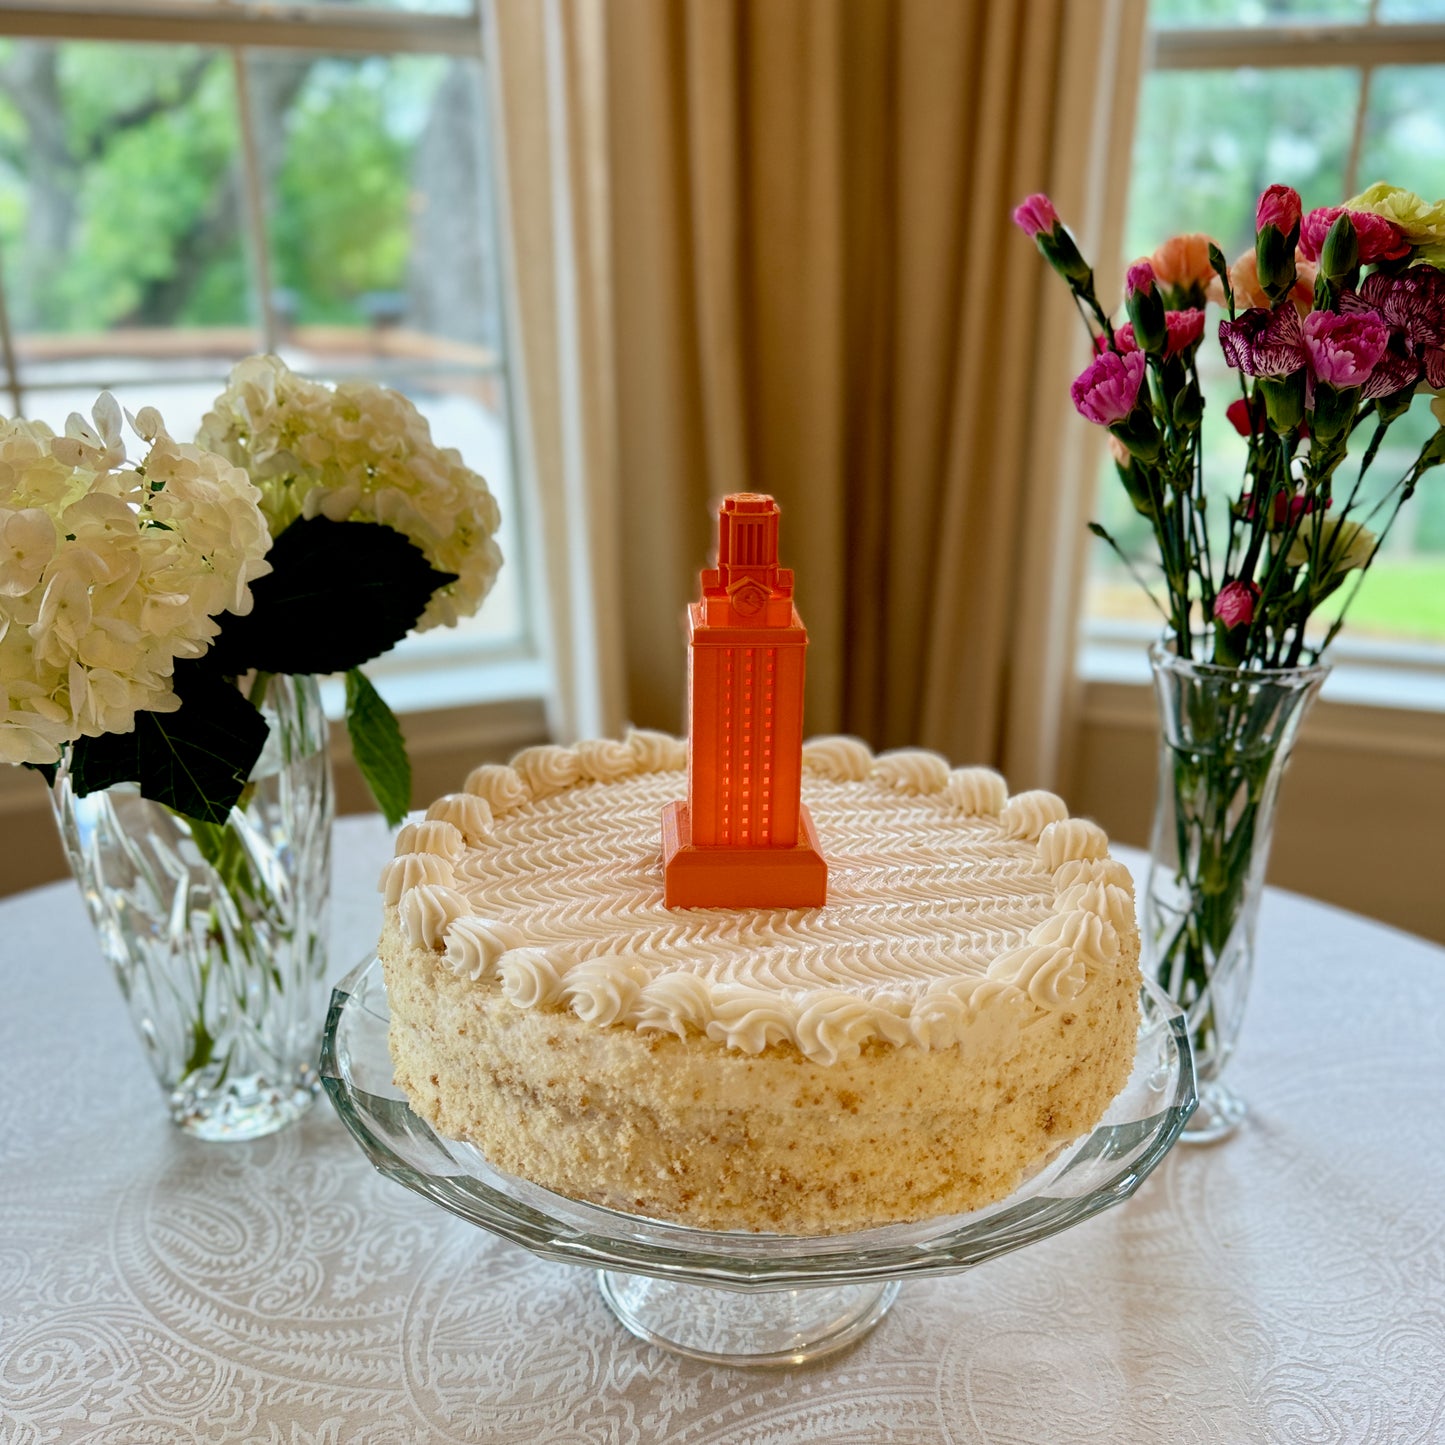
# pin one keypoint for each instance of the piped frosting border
(1093, 912)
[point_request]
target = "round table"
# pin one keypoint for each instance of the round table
(1288, 1285)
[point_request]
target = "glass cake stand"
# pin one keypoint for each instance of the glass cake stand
(750, 1299)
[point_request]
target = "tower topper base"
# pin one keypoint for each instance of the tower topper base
(726, 877)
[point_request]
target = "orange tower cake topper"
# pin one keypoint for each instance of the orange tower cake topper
(743, 838)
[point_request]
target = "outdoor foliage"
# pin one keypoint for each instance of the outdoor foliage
(122, 190)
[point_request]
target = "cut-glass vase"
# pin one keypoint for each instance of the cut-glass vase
(1226, 738)
(217, 933)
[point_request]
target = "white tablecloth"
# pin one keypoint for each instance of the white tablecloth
(1287, 1286)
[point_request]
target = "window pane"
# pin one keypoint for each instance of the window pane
(1404, 140)
(1166, 13)
(1403, 596)
(1416, 10)
(1209, 141)
(378, 184)
(126, 264)
(383, 254)
(121, 207)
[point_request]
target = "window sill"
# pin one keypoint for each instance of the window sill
(430, 686)
(1411, 679)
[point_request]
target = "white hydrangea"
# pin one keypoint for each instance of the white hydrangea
(109, 573)
(359, 452)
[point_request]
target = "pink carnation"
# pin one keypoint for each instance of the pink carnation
(1108, 390)
(1036, 214)
(1344, 350)
(1185, 330)
(1379, 239)
(1234, 603)
(1279, 207)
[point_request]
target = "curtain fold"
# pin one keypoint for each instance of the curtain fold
(548, 103)
(814, 290)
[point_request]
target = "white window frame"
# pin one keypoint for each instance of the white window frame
(1382, 674)
(440, 669)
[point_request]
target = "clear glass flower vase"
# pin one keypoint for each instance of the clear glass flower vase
(217, 933)
(1226, 738)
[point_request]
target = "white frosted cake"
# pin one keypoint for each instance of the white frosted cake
(965, 1003)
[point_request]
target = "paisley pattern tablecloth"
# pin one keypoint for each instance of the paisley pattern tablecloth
(1288, 1286)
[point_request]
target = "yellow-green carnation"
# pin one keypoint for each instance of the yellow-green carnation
(1422, 221)
(1346, 545)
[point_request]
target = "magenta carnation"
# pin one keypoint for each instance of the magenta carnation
(1344, 350)
(1378, 238)
(1279, 207)
(1234, 603)
(1140, 277)
(1036, 214)
(1108, 390)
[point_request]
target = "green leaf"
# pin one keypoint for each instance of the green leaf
(339, 593)
(195, 760)
(46, 771)
(378, 747)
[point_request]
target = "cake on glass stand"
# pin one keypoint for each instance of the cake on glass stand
(737, 1298)
(743, 841)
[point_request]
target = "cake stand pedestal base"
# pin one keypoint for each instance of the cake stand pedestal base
(752, 1327)
(1221, 1111)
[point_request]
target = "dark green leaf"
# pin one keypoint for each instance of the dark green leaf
(195, 760)
(339, 593)
(378, 747)
(46, 771)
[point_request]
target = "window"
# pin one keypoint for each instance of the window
(1327, 96)
(181, 185)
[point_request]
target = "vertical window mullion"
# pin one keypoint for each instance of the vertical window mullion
(1357, 136)
(255, 191)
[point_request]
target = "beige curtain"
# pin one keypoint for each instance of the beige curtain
(813, 289)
